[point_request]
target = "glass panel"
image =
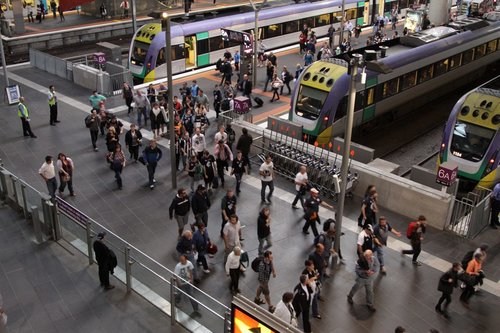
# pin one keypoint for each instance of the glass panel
(310, 102)
(425, 73)
(390, 88)
(409, 80)
(341, 109)
(480, 51)
(370, 96)
(470, 141)
(468, 56)
(440, 67)
(273, 30)
(322, 20)
(492, 46)
(309, 21)
(360, 100)
(291, 27)
(215, 43)
(178, 52)
(139, 52)
(350, 13)
(337, 17)
(455, 61)
(161, 57)
(202, 46)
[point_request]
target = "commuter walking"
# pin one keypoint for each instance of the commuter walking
(95, 100)
(198, 143)
(266, 269)
(228, 208)
(223, 157)
(23, 114)
(495, 206)
(195, 172)
(118, 161)
(142, 104)
(414, 232)
(327, 239)
(231, 235)
(447, 282)
(60, 10)
(308, 58)
(233, 269)
(112, 139)
(286, 78)
(366, 268)
(301, 181)
(201, 242)
(200, 203)
(381, 233)
(473, 276)
(369, 207)
(285, 311)
(311, 208)
(208, 162)
(93, 122)
(269, 74)
(29, 10)
(246, 87)
(313, 281)
(276, 84)
(179, 208)
(52, 98)
(133, 140)
(302, 302)
(366, 240)
(48, 173)
(266, 172)
(238, 168)
(127, 92)
(103, 11)
(152, 155)
(244, 144)
(124, 5)
(264, 229)
(104, 260)
(65, 166)
(184, 270)
(53, 7)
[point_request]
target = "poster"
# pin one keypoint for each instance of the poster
(13, 94)
(244, 323)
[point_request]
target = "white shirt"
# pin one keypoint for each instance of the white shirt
(283, 312)
(299, 178)
(232, 234)
(268, 170)
(47, 170)
(198, 143)
(184, 271)
(361, 237)
(233, 262)
(220, 136)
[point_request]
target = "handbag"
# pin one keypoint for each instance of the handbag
(66, 178)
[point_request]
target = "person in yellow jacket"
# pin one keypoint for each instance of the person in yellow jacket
(22, 112)
(53, 105)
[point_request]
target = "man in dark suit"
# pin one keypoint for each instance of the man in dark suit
(246, 86)
(103, 257)
(302, 300)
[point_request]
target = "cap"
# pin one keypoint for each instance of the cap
(314, 190)
(369, 227)
(101, 235)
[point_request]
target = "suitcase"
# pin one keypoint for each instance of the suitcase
(258, 101)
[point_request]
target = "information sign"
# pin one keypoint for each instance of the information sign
(13, 93)
(447, 173)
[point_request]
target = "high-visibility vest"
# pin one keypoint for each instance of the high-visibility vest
(22, 110)
(52, 98)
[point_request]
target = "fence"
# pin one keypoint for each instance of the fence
(57, 219)
(471, 213)
(51, 64)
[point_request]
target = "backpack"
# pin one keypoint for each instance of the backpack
(411, 228)
(87, 121)
(467, 258)
(256, 263)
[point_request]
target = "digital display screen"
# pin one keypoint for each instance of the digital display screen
(242, 322)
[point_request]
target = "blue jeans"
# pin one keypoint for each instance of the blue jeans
(188, 290)
(52, 187)
(380, 255)
(140, 113)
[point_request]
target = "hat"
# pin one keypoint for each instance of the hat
(314, 190)
(369, 227)
(101, 235)
(200, 187)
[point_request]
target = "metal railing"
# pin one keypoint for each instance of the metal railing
(470, 214)
(57, 219)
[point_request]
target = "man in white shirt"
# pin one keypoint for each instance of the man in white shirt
(184, 269)
(221, 135)
(266, 172)
(233, 269)
(232, 234)
(284, 310)
(300, 186)
(198, 143)
(48, 173)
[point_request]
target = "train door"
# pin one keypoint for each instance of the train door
(363, 13)
(202, 52)
(190, 51)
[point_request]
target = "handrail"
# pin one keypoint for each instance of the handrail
(194, 299)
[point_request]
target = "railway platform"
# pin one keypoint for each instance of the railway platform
(406, 296)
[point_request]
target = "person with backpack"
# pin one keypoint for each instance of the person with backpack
(366, 240)
(381, 233)
(223, 157)
(447, 282)
(311, 208)
(266, 268)
(327, 238)
(414, 234)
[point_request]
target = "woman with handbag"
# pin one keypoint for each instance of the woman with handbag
(66, 167)
(117, 160)
(276, 83)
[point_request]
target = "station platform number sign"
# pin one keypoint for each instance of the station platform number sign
(447, 173)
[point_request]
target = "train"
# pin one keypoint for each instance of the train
(416, 69)
(471, 138)
(199, 43)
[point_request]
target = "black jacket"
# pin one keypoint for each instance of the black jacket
(180, 205)
(102, 255)
(246, 86)
(263, 230)
(301, 301)
(244, 143)
(444, 285)
(128, 138)
(200, 203)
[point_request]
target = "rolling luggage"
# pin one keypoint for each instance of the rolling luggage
(258, 101)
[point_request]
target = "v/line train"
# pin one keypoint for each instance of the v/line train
(424, 66)
(471, 137)
(198, 44)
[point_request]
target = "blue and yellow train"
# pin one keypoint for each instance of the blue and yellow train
(471, 137)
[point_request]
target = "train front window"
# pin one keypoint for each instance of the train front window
(310, 102)
(139, 52)
(470, 141)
